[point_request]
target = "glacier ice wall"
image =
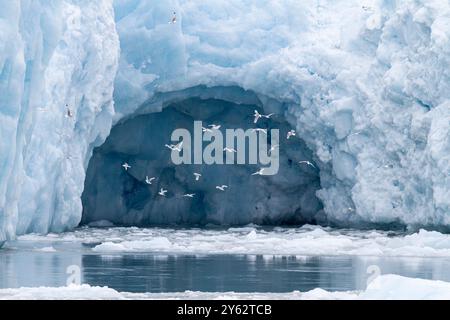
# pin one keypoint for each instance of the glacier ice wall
(365, 84)
(52, 54)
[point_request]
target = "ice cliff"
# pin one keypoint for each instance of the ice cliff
(52, 53)
(365, 84)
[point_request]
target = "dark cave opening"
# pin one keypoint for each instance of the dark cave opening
(124, 198)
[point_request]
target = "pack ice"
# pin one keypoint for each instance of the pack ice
(364, 84)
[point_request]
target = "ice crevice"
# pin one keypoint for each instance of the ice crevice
(365, 88)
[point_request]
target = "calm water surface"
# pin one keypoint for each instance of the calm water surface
(22, 265)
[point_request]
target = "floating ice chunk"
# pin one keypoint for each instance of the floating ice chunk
(394, 287)
(384, 287)
(305, 241)
(153, 245)
(46, 249)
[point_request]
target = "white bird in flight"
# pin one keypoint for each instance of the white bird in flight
(267, 116)
(272, 148)
(126, 166)
(174, 18)
(197, 176)
(308, 163)
(231, 150)
(258, 116)
(215, 126)
(260, 172)
(189, 195)
(70, 157)
(176, 147)
(222, 187)
(149, 180)
(291, 134)
(260, 130)
(162, 192)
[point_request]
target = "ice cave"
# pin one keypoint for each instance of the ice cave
(124, 198)
(367, 92)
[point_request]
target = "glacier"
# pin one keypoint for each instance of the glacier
(52, 54)
(363, 83)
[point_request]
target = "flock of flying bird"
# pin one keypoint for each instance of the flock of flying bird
(162, 192)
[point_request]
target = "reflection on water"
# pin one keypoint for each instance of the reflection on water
(145, 273)
(23, 265)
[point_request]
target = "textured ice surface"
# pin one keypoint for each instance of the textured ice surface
(86, 291)
(51, 54)
(386, 287)
(366, 88)
(304, 241)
